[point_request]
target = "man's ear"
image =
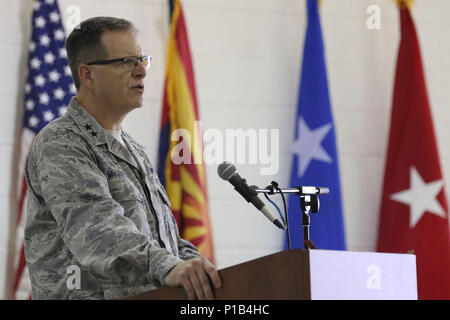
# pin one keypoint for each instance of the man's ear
(85, 76)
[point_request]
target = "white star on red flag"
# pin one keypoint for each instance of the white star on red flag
(421, 197)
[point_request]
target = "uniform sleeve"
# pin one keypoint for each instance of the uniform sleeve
(186, 249)
(91, 223)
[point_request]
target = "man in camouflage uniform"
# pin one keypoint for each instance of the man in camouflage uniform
(95, 204)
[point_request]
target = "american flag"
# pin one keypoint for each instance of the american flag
(48, 90)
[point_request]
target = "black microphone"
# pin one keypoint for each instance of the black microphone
(227, 171)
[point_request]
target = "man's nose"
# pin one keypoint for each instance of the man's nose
(140, 71)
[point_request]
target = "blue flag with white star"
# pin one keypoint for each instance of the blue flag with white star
(315, 161)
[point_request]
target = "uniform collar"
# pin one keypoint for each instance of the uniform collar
(87, 123)
(99, 135)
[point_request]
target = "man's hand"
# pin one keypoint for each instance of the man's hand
(193, 276)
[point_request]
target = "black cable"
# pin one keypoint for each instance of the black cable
(276, 207)
(274, 184)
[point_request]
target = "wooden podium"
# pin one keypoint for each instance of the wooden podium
(312, 274)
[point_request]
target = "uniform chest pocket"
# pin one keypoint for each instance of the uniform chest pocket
(163, 196)
(126, 193)
(131, 199)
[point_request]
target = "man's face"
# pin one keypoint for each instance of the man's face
(116, 87)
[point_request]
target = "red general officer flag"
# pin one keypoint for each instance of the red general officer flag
(414, 212)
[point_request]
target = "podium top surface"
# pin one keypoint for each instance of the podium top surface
(362, 275)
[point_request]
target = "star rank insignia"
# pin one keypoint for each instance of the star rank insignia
(88, 128)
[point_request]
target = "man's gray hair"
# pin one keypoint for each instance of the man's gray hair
(84, 43)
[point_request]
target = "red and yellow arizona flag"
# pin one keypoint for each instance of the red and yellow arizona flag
(185, 182)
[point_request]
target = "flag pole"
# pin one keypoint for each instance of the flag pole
(407, 3)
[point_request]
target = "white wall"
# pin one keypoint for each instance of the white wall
(247, 58)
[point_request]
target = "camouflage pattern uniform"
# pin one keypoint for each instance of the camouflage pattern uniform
(96, 205)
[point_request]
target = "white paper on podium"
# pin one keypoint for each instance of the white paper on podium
(346, 275)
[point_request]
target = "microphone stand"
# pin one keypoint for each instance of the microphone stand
(309, 202)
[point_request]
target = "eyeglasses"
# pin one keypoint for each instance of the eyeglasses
(128, 63)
